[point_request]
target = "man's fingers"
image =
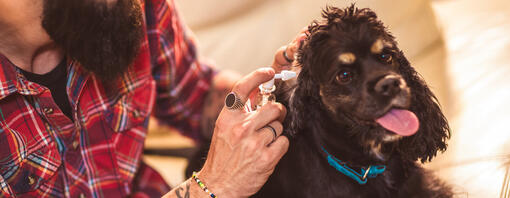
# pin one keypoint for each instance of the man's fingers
(277, 149)
(280, 62)
(268, 113)
(269, 133)
(294, 45)
(248, 83)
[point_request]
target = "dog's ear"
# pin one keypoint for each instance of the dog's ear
(305, 103)
(305, 97)
(434, 130)
(312, 51)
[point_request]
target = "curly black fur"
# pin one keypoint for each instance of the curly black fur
(340, 118)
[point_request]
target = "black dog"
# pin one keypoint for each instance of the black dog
(359, 116)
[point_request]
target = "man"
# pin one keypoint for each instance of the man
(78, 82)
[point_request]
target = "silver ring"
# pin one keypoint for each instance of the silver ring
(274, 132)
(289, 60)
(233, 102)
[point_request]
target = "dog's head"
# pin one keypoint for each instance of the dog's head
(352, 69)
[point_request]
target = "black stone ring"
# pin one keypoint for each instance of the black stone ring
(289, 60)
(233, 102)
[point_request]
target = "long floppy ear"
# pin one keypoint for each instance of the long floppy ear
(302, 105)
(304, 102)
(434, 130)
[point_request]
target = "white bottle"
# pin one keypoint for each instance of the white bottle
(266, 90)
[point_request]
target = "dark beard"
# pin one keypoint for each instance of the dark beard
(103, 38)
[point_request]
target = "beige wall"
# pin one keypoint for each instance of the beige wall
(243, 35)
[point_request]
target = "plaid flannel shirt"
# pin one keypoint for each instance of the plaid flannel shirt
(45, 154)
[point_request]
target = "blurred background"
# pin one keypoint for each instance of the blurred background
(460, 47)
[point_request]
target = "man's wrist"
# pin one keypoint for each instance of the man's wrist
(216, 187)
(196, 191)
(187, 190)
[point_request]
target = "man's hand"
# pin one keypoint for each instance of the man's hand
(279, 61)
(241, 156)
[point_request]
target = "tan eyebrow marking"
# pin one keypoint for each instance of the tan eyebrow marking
(347, 58)
(378, 46)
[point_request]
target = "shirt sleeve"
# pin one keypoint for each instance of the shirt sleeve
(182, 81)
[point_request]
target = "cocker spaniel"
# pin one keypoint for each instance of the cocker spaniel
(360, 118)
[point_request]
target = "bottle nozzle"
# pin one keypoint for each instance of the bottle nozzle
(284, 75)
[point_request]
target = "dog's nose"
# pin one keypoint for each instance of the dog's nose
(389, 85)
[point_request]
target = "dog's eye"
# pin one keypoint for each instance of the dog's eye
(387, 58)
(344, 77)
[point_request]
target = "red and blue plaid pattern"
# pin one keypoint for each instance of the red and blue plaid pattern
(45, 154)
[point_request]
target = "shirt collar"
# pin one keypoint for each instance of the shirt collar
(12, 80)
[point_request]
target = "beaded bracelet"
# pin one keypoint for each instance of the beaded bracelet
(202, 185)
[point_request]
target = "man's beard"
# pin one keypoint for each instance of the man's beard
(103, 38)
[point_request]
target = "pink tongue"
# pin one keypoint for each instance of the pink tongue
(402, 122)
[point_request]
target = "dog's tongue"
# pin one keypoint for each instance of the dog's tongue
(402, 122)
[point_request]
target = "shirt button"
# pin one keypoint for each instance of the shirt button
(31, 180)
(48, 110)
(76, 144)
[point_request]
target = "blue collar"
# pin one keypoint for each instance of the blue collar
(361, 177)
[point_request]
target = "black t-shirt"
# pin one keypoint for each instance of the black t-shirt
(56, 81)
